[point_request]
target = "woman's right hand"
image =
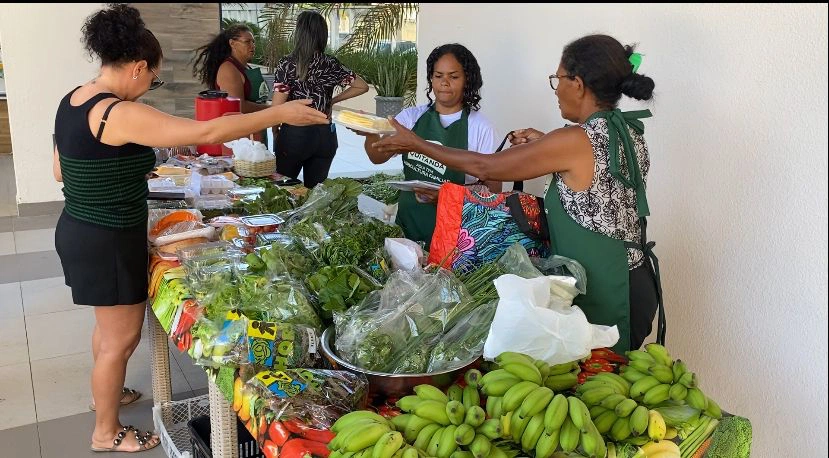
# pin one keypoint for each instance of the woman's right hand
(299, 113)
(522, 136)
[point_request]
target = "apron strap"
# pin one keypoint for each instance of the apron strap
(516, 185)
(653, 267)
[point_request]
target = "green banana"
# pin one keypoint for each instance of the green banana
(464, 434)
(506, 424)
(536, 401)
(556, 413)
(579, 414)
(659, 353)
(473, 378)
(425, 436)
(622, 384)
(387, 445)
(559, 369)
(605, 421)
(512, 357)
(662, 373)
(414, 426)
(433, 410)
(611, 450)
(471, 397)
(640, 387)
(351, 417)
(638, 441)
(475, 416)
(497, 374)
(410, 452)
(532, 432)
(459, 454)
(679, 368)
(713, 409)
(562, 382)
(408, 403)
(546, 445)
(480, 446)
(515, 395)
(639, 420)
(426, 391)
(500, 387)
(595, 411)
(493, 406)
(636, 355)
(455, 412)
(657, 395)
(434, 442)
(591, 384)
(400, 421)
(455, 392)
(364, 453)
(620, 429)
(367, 437)
(641, 365)
(524, 371)
(696, 399)
(569, 436)
(491, 429)
(625, 408)
(632, 375)
(678, 392)
(543, 368)
(595, 395)
(447, 444)
(517, 426)
(612, 401)
(591, 442)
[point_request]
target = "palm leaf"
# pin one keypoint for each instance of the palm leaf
(278, 21)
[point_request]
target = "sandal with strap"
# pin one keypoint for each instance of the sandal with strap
(143, 441)
(128, 396)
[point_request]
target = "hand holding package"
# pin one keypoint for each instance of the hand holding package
(245, 149)
(535, 317)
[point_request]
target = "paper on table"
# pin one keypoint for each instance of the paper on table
(410, 185)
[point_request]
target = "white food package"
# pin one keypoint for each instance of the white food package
(245, 149)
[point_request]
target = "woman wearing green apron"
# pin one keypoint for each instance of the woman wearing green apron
(222, 65)
(595, 203)
(452, 120)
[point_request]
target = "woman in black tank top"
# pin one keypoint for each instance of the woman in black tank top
(103, 150)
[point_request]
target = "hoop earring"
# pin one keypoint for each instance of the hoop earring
(135, 77)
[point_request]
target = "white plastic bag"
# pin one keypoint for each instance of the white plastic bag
(535, 317)
(245, 149)
(405, 254)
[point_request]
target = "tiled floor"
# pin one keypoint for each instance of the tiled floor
(45, 356)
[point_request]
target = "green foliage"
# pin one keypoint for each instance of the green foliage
(392, 73)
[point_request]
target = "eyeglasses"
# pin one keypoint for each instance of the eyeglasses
(247, 42)
(157, 83)
(554, 79)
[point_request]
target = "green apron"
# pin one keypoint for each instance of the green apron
(258, 93)
(607, 301)
(418, 219)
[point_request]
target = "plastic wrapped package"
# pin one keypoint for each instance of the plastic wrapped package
(339, 287)
(465, 341)
(516, 261)
(219, 342)
(282, 300)
(282, 345)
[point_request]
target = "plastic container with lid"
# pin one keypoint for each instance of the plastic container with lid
(258, 224)
(216, 184)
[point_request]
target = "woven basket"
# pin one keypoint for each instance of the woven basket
(254, 169)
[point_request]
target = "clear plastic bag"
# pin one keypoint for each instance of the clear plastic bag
(465, 341)
(516, 261)
(282, 346)
(337, 288)
(282, 300)
(219, 342)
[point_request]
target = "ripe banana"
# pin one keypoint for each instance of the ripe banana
(659, 353)
(625, 408)
(546, 445)
(657, 395)
(640, 387)
(532, 433)
(408, 403)
(662, 373)
(656, 426)
(515, 395)
(493, 406)
(351, 417)
(569, 436)
(562, 382)
(480, 446)
(491, 429)
(455, 392)
(579, 414)
(620, 430)
(387, 445)
(713, 409)
(679, 369)
(536, 401)
(512, 357)
(639, 420)
(517, 426)
(670, 433)
(662, 449)
(471, 397)
(413, 427)
(506, 425)
(605, 421)
(473, 378)
(455, 412)
(425, 436)
(524, 371)
(612, 401)
(432, 410)
(556, 413)
(696, 399)
(678, 392)
(447, 444)
(427, 391)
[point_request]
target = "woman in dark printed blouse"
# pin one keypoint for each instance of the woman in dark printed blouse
(309, 73)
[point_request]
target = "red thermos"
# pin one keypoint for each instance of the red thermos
(212, 104)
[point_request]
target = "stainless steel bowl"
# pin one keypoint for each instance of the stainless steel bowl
(391, 385)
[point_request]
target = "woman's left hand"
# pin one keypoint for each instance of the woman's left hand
(425, 195)
(403, 141)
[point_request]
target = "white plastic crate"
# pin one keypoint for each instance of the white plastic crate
(170, 421)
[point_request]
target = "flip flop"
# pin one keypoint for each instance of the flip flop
(143, 441)
(128, 396)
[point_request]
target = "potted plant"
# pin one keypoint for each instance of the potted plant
(392, 73)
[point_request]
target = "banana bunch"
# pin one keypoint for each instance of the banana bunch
(516, 367)
(656, 378)
(365, 434)
(448, 425)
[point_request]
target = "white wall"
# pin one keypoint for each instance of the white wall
(737, 189)
(42, 64)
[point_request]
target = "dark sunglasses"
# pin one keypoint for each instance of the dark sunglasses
(157, 83)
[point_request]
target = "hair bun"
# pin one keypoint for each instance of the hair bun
(637, 86)
(113, 33)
